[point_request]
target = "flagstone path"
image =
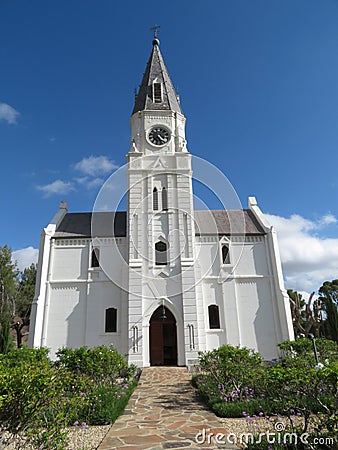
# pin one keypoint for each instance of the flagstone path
(164, 413)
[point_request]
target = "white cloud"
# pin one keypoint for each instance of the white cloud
(96, 166)
(8, 113)
(308, 259)
(328, 220)
(25, 257)
(90, 183)
(306, 295)
(93, 170)
(56, 187)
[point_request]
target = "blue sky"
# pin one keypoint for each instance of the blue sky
(258, 85)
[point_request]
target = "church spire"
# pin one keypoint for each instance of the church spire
(156, 91)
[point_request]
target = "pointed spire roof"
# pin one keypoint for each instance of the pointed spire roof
(157, 72)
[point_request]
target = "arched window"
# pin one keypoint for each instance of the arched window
(95, 259)
(213, 311)
(225, 254)
(111, 320)
(161, 253)
(164, 199)
(155, 199)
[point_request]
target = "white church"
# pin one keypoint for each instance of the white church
(162, 280)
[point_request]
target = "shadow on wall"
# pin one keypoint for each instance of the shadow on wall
(264, 323)
(76, 320)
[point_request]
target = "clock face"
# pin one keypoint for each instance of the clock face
(159, 136)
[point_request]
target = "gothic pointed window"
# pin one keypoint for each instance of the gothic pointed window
(213, 311)
(225, 254)
(161, 253)
(95, 258)
(164, 199)
(155, 199)
(110, 320)
(157, 92)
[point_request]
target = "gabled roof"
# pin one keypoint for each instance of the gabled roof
(156, 71)
(226, 222)
(107, 224)
(114, 224)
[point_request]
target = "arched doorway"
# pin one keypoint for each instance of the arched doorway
(163, 338)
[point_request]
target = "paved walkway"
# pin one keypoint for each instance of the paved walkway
(163, 412)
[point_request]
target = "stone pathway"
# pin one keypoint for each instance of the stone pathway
(164, 412)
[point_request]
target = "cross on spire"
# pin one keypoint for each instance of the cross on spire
(155, 30)
(156, 72)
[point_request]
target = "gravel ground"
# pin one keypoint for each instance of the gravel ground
(90, 438)
(78, 439)
(240, 425)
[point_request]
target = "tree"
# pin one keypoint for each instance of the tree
(25, 292)
(16, 296)
(23, 302)
(329, 296)
(330, 287)
(297, 305)
(8, 279)
(307, 316)
(8, 285)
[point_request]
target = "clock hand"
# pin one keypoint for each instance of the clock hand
(161, 138)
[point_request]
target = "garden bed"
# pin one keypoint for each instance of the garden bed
(42, 402)
(236, 382)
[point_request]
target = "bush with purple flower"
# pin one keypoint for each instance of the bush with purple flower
(236, 382)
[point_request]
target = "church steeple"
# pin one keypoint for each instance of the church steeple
(156, 91)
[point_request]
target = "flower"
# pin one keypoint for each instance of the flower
(84, 425)
(76, 423)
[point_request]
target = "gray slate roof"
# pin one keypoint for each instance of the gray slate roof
(156, 69)
(108, 224)
(80, 225)
(226, 222)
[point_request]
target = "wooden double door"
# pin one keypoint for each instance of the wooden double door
(163, 338)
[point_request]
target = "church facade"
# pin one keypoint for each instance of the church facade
(162, 280)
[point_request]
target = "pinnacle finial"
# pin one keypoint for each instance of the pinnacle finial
(154, 29)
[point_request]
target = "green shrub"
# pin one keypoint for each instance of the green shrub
(300, 352)
(108, 403)
(26, 392)
(229, 374)
(99, 363)
(24, 355)
(328, 417)
(38, 398)
(293, 390)
(234, 381)
(256, 406)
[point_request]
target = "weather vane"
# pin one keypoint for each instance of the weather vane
(155, 30)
